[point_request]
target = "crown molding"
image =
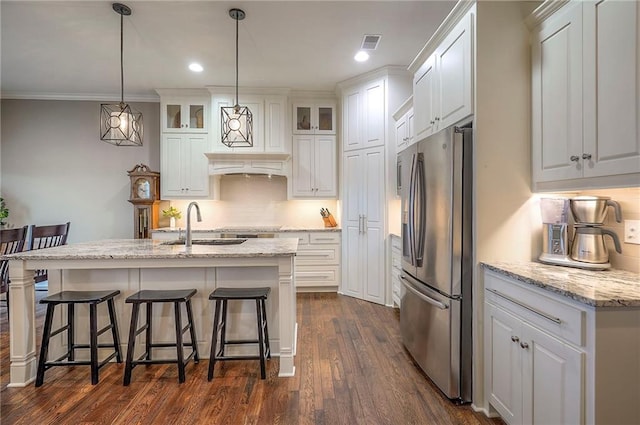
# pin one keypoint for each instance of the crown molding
(368, 76)
(543, 11)
(452, 19)
(96, 97)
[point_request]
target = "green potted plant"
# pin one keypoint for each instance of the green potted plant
(172, 213)
(4, 213)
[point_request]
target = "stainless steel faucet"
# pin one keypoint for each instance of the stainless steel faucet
(198, 216)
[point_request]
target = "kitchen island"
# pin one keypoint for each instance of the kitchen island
(131, 265)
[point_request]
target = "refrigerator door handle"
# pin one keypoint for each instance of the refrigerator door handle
(412, 212)
(420, 206)
(409, 287)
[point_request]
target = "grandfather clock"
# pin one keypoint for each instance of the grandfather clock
(145, 197)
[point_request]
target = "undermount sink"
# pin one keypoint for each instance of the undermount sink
(206, 242)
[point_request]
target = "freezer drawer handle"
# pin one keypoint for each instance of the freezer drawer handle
(422, 296)
(528, 307)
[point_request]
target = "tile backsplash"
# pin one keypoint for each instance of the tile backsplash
(247, 200)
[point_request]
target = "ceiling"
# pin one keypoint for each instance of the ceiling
(70, 49)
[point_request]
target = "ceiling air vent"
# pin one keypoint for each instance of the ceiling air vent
(370, 41)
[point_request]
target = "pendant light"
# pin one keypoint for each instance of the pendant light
(119, 124)
(237, 121)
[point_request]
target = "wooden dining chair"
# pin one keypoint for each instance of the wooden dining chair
(47, 237)
(11, 241)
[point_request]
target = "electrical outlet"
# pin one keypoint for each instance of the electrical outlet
(632, 231)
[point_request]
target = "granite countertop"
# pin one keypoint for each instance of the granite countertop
(123, 249)
(609, 288)
(257, 229)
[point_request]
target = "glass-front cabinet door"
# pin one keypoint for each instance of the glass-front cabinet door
(185, 115)
(314, 118)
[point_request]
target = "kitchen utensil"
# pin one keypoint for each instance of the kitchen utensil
(588, 244)
(592, 210)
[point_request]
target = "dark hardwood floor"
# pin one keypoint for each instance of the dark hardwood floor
(351, 368)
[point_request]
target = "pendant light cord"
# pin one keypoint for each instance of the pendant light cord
(121, 60)
(237, 104)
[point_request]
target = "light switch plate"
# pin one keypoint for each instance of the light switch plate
(632, 231)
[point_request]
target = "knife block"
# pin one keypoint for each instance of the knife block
(329, 221)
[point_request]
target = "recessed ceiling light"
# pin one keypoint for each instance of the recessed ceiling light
(196, 67)
(361, 56)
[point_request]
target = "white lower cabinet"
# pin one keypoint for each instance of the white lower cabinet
(183, 166)
(551, 360)
(317, 261)
(396, 269)
(534, 377)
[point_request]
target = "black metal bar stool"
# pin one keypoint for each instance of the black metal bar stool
(222, 296)
(149, 297)
(71, 298)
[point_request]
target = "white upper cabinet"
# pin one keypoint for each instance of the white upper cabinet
(363, 112)
(184, 113)
(557, 96)
(269, 122)
(183, 166)
(611, 87)
(405, 127)
(314, 118)
(443, 84)
(585, 91)
(314, 167)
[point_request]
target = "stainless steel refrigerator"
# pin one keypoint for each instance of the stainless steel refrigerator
(435, 314)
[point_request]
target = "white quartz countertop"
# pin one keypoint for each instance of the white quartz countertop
(607, 288)
(154, 249)
(251, 229)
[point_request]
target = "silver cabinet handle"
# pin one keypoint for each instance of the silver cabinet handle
(524, 345)
(515, 338)
(574, 158)
(360, 223)
(364, 223)
(586, 156)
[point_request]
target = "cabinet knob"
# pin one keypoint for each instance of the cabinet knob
(574, 158)
(432, 122)
(437, 118)
(515, 338)
(586, 156)
(524, 345)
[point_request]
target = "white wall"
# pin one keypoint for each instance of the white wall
(503, 207)
(55, 168)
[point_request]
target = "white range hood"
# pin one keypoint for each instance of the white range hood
(278, 164)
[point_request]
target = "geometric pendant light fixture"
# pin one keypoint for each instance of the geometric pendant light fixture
(119, 124)
(237, 121)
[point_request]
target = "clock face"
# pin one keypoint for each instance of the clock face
(143, 189)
